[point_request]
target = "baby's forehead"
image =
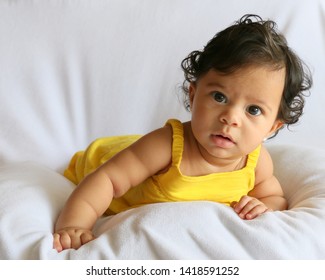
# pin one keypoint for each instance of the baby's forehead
(248, 70)
(248, 81)
(250, 64)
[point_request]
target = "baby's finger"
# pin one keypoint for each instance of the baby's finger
(240, 205)
(65, 240)
(80, 237)
(256, 211)
(86, 237)
(56, 243)
(249, 206)
(75, 241)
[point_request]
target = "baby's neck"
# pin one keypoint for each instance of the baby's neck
(197, 161)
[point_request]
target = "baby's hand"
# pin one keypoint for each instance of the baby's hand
(71, 238)
(249, 207)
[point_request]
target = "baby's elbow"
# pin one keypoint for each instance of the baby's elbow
(285, 204)
(280, 203)
(117, 193)
(119, 190)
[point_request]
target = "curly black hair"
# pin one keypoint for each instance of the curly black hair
(252, 41)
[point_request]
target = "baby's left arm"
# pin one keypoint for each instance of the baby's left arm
(267, 195)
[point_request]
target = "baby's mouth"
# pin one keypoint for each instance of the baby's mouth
(227, 137)
(223, 141)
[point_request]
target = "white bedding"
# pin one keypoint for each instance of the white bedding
(32, 196)
(73, 71)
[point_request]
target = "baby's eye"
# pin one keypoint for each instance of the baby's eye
(254, 110)
(219, 97)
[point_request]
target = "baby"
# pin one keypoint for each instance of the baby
(243, 87)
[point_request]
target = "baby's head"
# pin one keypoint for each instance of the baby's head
(252, 41)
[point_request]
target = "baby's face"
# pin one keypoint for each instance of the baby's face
(232, 114)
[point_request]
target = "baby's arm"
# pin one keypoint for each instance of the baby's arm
(84, 206)
(91, 198)
(267, 194)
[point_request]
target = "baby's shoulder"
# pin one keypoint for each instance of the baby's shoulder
(159, 138)
(264, 167)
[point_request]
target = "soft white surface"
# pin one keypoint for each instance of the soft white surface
(32, 196)
(72, 71)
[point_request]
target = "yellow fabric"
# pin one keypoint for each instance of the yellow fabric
(170, 186)
(98, 152)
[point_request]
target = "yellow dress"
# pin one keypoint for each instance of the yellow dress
(172, 185)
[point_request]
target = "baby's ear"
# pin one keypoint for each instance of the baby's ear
(191, 93)
(278, 124)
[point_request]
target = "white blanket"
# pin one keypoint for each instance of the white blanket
(32, 196)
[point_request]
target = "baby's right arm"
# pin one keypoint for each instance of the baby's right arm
(84, 206)
(91, 198)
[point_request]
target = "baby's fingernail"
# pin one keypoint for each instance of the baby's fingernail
(249, 216)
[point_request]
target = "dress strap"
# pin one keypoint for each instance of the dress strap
(253, 157)
(178, 141)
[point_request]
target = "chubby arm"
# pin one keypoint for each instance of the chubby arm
(91, 198)
(267, 195)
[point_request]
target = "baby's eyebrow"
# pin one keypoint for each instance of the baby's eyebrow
(214, 84)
